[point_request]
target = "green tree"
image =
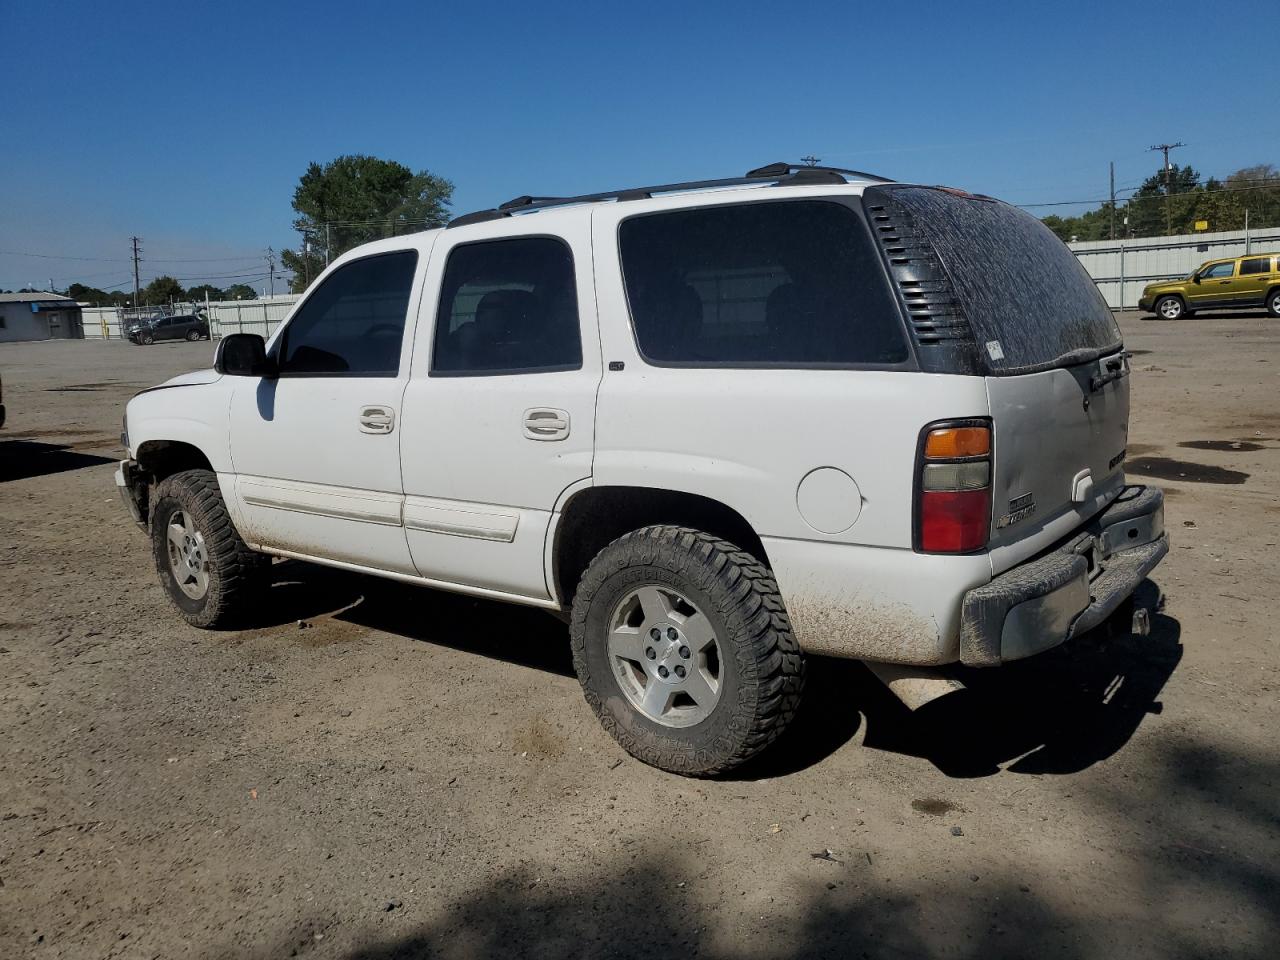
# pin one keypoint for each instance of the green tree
(84, 294)
(199, 293)
(161, 291)
(355, 199)
(239, 291)
(1257, 188)
(1148, 207)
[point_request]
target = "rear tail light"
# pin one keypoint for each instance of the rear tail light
(953, 487)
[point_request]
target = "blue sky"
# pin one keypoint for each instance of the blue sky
(189, 125)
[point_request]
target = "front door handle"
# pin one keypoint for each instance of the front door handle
(546, 423)
(376, 419)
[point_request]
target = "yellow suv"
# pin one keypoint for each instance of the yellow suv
(1252, 281)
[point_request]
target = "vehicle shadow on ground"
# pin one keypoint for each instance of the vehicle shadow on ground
(516, 634)
(1257, 313)
(1197, 828)
(1057, 713)
(24, 459)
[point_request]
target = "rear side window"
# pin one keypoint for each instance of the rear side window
(1256, 265)
(790, 283)
(353, 324)
(508, 306)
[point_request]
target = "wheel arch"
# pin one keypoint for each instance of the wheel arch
(595, 516)
(163, 458)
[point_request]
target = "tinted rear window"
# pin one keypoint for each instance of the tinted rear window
(793, 283)
(1028, 300)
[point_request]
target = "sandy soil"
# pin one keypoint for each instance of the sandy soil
(414, 774)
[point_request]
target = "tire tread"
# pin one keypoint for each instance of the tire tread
(772, 662)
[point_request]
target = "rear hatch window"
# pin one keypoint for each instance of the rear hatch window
(1028, 303)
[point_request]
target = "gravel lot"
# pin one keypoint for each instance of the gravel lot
(415, 774)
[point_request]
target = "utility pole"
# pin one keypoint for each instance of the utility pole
(1113, 199)
(136, 285)
(811, 160)
(271, 269)
(327, 243)
(1165, 148)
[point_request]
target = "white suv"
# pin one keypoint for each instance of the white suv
(719, 426)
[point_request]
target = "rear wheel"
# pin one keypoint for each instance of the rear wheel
(206, 569)
(684, 650)
(1273, 302)
(193, 335)
(1170, 308)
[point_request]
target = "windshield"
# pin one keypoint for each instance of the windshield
(1029, 302)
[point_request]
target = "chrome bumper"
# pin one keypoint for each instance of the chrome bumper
(1045, 602)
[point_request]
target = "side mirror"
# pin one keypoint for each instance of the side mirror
(1195, 278)
(243, 355)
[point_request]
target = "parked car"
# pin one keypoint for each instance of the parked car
(1236, 282)
(719, 427)
(185, 327)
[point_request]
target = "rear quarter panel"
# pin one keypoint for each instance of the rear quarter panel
(748, 438)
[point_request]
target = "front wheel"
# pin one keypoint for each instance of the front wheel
(206, 569)
(1273, 303)
(684, 650)
(1170, 308)
(147, 339)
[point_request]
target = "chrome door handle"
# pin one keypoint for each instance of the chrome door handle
(377, 419)
(546, 423)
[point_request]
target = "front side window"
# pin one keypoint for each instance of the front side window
(353, 324)
(790, 283)
(1219, 271)
(507, 306)
(1256, 265)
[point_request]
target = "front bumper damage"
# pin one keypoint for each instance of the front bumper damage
(1045, 602)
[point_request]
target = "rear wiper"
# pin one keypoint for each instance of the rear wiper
(1115, 370)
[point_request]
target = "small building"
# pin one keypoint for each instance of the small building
(39, 316)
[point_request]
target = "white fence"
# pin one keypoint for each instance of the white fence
(225, 316)
(1121, 268)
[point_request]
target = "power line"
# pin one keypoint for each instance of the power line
(1273, 185)
(55, 256)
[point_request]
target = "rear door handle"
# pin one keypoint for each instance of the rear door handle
(377, 419)
(546, 423)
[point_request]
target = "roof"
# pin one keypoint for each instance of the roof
(773, 174)
(32, 297)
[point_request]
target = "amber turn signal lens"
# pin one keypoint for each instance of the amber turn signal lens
(951, 442)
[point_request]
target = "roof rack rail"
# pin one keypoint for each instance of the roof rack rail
(783, 174)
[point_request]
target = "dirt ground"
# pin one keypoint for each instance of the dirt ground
(414, 774)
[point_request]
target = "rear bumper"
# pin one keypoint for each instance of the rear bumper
(1047, 601)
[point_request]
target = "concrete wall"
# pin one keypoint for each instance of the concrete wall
(1121, 268)
(17, 322)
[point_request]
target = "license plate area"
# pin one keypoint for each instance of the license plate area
(1090, 548)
